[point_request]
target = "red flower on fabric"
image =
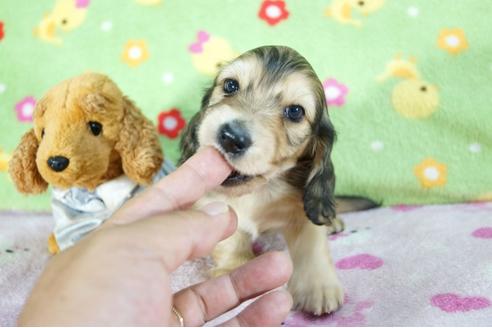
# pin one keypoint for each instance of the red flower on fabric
(273, 11)
(170, 123)
(2, 33)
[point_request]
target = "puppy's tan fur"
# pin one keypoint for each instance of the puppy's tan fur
(290, 164)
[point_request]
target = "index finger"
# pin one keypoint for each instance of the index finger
(199, 174)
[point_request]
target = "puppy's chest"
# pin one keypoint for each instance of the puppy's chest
(269, 208)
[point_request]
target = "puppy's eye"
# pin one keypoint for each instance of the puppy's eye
(231, 86)
(95, 127)
(294, 113)
(42, 133)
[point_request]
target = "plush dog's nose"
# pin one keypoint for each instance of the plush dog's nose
(234, 138)
(58, 163)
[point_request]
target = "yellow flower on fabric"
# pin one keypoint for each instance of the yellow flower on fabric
(135, 53)
(452, 40)
(4, 161)
(431, 173)
(486, 197)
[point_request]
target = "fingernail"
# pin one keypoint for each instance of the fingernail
(215, 208)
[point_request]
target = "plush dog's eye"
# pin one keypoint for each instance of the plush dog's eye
(95, 127)
(294, 113)
(231, 86)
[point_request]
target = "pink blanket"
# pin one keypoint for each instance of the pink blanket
(404, 265)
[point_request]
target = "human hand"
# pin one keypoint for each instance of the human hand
(120, 274)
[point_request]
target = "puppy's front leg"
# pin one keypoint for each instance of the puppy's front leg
(232, 253)
(314, 284)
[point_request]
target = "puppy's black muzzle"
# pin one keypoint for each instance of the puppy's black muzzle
(58, 163)
(234, 138)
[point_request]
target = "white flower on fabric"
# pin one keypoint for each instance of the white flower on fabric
(413, 11)
(167, 78)
(475, 147)
(431, 173)
(106, 26)
(377, 145)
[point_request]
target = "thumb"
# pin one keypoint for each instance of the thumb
(182, 235)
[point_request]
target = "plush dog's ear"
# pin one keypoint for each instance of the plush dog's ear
(189, 142)
(138, 145)
(319, 199)
(22, 166)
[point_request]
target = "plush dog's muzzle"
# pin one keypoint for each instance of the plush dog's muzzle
(58, 163)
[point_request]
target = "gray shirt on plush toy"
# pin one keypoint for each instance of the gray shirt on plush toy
(79, 211)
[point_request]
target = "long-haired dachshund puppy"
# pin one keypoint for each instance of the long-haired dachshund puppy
(266, 113)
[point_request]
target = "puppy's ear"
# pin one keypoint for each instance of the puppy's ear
(189, 142)
(319, 199)
(22, 166)
(138, 145)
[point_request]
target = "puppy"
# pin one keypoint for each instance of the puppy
(266, 113)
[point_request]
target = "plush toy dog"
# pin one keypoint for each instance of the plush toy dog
(94, 147)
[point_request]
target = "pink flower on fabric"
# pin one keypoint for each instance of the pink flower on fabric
(484, 233)
(82, 3)
(335, 92)
(25, 109)
(352, 314)
(197, 46)
(360, 261)
(457, 303)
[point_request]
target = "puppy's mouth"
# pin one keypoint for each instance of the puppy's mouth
(236, 178)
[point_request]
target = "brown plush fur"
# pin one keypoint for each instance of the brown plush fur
(25, 173)
(127, 143)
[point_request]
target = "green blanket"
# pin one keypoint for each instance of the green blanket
(408, 82)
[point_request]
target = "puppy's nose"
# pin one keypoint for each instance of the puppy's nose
(58, 163)
(234, 138)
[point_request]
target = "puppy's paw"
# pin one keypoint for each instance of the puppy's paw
(317, 296)
(337, 225)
